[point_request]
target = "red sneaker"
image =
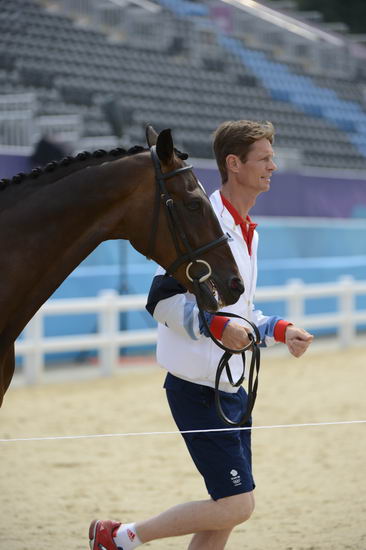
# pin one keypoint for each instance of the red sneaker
(101, 534)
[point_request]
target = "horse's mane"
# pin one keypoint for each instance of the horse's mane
(70, 164)
(57, 169)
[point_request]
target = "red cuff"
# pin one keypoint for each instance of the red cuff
(280, 331)
(217, 325)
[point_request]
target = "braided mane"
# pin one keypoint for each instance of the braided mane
(53, 170)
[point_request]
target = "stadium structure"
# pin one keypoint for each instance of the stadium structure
(91, 73)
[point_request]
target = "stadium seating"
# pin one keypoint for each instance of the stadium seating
(75, 70)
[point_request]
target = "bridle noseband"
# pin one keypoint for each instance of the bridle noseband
(192, 257)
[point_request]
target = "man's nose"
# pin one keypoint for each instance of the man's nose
(273, 166)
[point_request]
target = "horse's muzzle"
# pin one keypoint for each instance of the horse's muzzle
(235, 289)
(236, 285)
(213, 296)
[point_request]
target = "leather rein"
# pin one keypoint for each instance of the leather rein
(192, 256)
(254, 364)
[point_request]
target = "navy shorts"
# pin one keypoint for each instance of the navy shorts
(224, 459)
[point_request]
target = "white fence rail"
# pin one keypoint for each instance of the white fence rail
(108, 305)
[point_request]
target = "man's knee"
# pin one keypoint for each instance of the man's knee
(237, 509)
(244, 509)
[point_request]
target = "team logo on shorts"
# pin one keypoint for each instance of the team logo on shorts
(235, 478)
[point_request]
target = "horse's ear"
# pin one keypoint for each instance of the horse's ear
(165, 146)
(151, 135)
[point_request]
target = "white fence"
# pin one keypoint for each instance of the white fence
(108, 305)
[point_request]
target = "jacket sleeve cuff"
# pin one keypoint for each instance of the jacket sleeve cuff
(279, 332)
(217, 325)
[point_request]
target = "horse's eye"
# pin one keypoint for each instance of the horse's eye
(194, 205)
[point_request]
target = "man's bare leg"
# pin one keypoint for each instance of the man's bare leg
(199, 517)
(212, 540)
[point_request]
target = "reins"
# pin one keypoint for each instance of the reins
(162, 197)
(254, 365)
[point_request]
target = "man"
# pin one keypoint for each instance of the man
(244, 155)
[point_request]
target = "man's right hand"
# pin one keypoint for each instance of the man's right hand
(235, 336)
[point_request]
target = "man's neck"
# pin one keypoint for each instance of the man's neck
(235, 196)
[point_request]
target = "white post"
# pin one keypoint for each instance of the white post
(347, 328)
(295, 304)
(33, 360)
(108, 329)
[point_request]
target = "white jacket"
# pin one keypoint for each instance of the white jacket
(182, 348)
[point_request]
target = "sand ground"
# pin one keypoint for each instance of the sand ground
(311, 481)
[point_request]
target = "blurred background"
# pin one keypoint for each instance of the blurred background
(87, 74)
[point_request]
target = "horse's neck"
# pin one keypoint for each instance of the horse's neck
(46, 237)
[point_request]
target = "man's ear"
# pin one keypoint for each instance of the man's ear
(232, 163)
(165, 146)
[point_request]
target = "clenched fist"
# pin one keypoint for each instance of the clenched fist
(298, 340)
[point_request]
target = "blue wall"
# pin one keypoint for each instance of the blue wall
(310, 249)
(292, 194)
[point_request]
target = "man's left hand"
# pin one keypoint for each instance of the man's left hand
(298, 340)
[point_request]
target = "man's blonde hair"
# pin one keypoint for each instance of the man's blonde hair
(235, 137)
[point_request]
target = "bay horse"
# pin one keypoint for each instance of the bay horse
(52, 218)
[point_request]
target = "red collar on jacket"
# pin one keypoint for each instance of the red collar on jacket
(247, 226)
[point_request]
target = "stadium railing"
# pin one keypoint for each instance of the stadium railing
(34, 345)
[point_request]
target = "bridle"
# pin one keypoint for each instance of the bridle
(162, 197)
(192, 256)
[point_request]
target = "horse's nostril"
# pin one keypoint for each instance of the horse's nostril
(237, 284)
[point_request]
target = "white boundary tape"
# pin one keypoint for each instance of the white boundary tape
(176, 432)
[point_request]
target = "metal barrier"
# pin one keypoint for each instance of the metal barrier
(66, 128)
(17, 113)
(21, 126)
(109, 304)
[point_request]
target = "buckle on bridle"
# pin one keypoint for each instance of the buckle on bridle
(204, 277)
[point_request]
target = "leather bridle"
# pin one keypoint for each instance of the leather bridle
(162, 197)
(192, 256)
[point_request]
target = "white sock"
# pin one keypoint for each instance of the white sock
(126, 537)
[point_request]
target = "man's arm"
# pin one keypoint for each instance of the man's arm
(171, 305)
(167, 303)
(274, 329)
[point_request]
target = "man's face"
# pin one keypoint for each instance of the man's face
(255, 173)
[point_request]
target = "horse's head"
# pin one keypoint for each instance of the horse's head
(185, 235)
